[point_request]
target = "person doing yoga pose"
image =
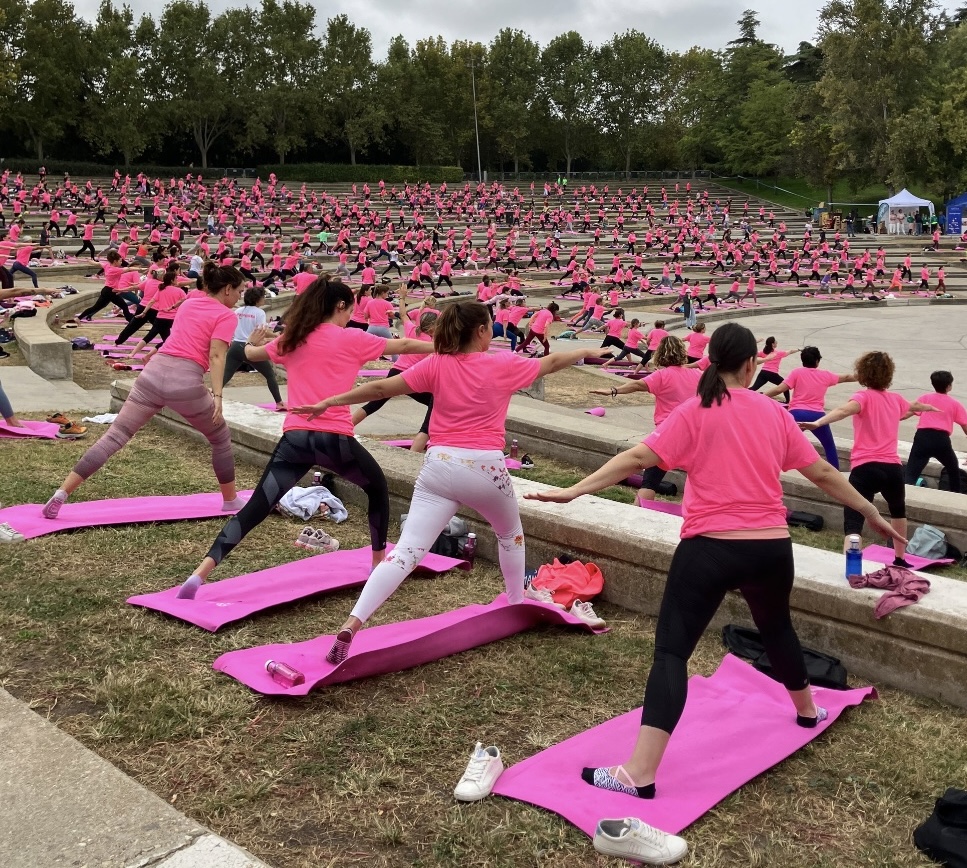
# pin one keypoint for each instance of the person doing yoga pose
(770, 358)
(316, 338)
(251, 317)
(175, 378)
(733, 537)
(465, 460)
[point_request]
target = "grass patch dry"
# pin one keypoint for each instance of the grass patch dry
(362, 774)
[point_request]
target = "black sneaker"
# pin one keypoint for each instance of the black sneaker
(4, 354)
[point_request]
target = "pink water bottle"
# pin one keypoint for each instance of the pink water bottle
(514, 449)
(470, 548)
(284, 674)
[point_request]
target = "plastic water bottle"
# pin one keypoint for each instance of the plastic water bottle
(284, 674)
(470, 548)
(317, 478)
(514, 448)
(854, 557)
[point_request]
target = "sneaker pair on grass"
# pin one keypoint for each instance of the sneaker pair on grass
(630, 838)
(316, 540)
(68, 429)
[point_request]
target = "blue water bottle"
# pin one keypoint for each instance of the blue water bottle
(854, 557)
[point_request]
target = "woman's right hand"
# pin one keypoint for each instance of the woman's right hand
(311, 411)
(553, 495)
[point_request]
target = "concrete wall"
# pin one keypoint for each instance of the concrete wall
(922, 649)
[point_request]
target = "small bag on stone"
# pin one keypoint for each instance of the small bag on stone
(928, 542)
(808, 520)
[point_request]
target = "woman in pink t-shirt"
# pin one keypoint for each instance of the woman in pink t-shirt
(932, 439)
(537, 328)
(697, 341)
(109, 292)
(809, 385)
(465, 461)
(770, 358)
(875, 466)
(734, 537)
(315, 340)
(671, 384)
(175, 378)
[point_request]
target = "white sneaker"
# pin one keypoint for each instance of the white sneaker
(478, 780)
(540, 595)
(585, 612)
(630, 838)
(321, 543)
(9, 534)
(304, 536)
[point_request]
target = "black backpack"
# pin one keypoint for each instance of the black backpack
(808, 520)
(823, 670)
(943, 837)
(945, 480)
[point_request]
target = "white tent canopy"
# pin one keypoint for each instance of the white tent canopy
(893, 212)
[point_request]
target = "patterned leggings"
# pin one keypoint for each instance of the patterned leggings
(451, 477)
(174, 383)
(294, 456)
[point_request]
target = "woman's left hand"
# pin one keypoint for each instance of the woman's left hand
(553, 495)
(311, 411)
(217, 417)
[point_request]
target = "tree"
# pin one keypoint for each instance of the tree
(351, 111)
(513, 74)
(630, 71)
(567, 87)
(120, 115)
(875, 54)
(47, 94)
(690, 105)
(284, 66)
(198, 88)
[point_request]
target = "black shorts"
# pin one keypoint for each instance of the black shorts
(876, 478)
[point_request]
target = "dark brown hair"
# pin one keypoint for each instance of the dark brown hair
(732, 345)
(215, 278)
(315, 306)
(875, 370)
(671, 352)
(456, 326)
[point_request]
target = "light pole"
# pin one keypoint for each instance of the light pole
(476, 128)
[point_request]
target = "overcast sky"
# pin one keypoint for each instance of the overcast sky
(676, 25)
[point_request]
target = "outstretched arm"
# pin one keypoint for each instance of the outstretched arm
(773, 391)
(850, 408)
(616, 470)
(388, 387)
(559, 361)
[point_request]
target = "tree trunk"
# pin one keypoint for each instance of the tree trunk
(352, 154)
(204, 156)
(281, 154)
(40, 149)
(628, 163)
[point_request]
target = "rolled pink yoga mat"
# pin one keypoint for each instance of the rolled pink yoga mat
(392, 647)
(595, 411)
(30, 430)
(229, 600)
(27, 517)
(737, 724)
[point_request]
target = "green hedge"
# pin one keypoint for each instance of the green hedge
(328, 173)
(81, 169)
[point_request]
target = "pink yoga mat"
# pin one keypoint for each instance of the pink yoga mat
(392, 647)
(372, 373)
(884, 555)
(400, 444)
(42, 430)
(27, 517)
(223, 602)
(736, 725)
(269, 407)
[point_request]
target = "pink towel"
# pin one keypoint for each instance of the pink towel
(902, 587)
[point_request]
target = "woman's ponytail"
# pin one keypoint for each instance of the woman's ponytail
(732, 345)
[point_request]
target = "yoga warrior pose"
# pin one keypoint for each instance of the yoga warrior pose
(734, 537)
(932, 439)
(175, 378)
(875, 466)
(465, 461)
(251, 317)
(315, 339)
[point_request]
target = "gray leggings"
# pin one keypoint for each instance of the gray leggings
(236, 358)
(174, 383)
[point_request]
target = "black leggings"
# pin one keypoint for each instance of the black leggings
(107, 296)
(630, 351)
(930, 443)
(235, 358)
(872, 478)
(136, 322)
(424, 398)
(610, 341)
(294, 455)
(89, 246)
(159, 328)
(703, 570)
(769, 377)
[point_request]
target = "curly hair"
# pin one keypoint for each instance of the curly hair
(875, 370)
(671, 352)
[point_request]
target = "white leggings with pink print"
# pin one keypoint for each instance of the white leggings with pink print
(452, 477)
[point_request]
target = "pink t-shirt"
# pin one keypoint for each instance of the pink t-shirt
(169, 301)
(809, 387)
(951, 412)
(471, 393)
(724, 494)
(615, 327)
(303, 280)
(340, 353)
(876, 425)
(654, 338)
(378, 312)
(671, 386)
(198, 322)
(773, 364)
(697, 342)
(538, 325)
(634, 338)
(405, 362)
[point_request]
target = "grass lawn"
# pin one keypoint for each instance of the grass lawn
(797, 193)
(362, 774)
